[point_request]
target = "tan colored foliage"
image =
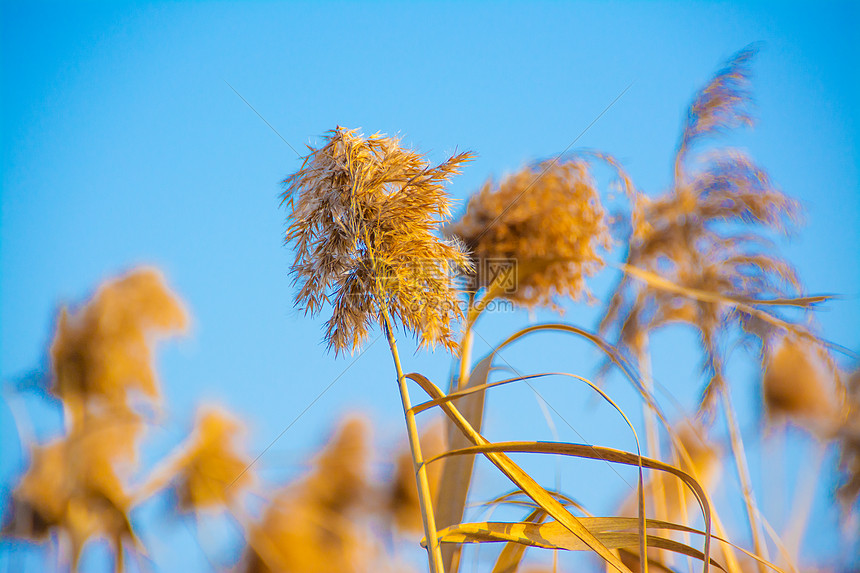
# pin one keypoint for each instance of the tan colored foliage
(708, 232)
(74, 485)
(364, 217)
(366, 214)
(102, 353)
(849, 446)
(310, 526)
(101, 356)
(339, 481)
(298, 536)
(403, 493)
(212, 472)
(797, 387)
(549, 219)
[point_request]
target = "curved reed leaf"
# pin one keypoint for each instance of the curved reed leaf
(552, 535)
(485, 367)
(614, 355)
(457, 475)
(508, 499)
(656, 281)
(512, 553)
(601, 453)
(418, 408)
(521, 478)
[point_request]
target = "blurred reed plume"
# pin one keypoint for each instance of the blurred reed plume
(549, 219)
(102, 354)
(314, 526)
(364, 216)
(403, 503)
(73, 487)
(294, 537)
(210, 472)
(702, 255)
(339, 481)
(849, 451)
(707, 234)
(798, 387)
(722, 105)
(101, 360)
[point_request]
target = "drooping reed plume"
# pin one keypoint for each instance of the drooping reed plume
(703, 244)
(101, 355)
(708, 233)
(364, 217)
(101, 365)
(75, 487)
(549, 220)
(798, 387)
(211, 471)
(314, 525)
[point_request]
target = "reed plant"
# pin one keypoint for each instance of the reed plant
(375, 246)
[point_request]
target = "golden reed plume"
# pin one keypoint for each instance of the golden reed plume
(101, 360)
(549, 219)
(211, 472)
(707, 233)
(312, 526)
(364, 216)
(102, 353)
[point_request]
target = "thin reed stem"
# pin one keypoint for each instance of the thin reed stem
(428, 518)
(465, 358)
(652, 440)
(465, 354)
(728, 552)
(801, 506)
(119, 559)
(759, 546)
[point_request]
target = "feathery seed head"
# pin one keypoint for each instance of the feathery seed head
(709, 233)
(724, 103)
(73, 486)
(849, 447)
(339, 481)
(212, 473)
(549, 219)
(311, 526)
(365, 212)
(796, 387)
(103, 351)
(296, 536)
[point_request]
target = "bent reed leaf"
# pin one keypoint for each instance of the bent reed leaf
(457, 473)
(601, 453)
(520, 477)
(552, 535)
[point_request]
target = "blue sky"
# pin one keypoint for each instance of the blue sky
(122, 143)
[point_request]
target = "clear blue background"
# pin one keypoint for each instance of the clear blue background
(122, 143)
